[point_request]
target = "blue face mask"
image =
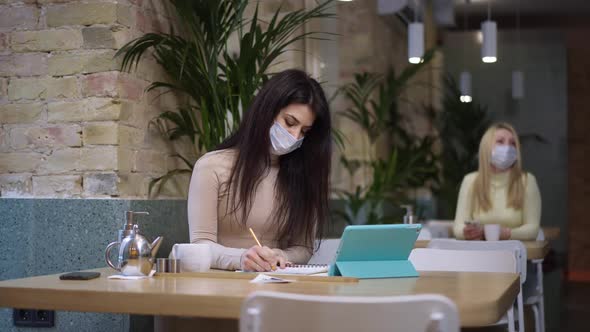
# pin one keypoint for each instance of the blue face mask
(504, 156)
(282, 142)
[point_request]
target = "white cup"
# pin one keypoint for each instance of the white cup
(492, 232)
(193, 257)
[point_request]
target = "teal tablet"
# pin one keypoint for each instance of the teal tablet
(376, 251)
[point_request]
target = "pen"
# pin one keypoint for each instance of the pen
(260, 245)
(255, 238)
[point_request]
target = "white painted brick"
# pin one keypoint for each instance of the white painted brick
(19, 162)
(21, 113)
(22, 17)
(16, 185)
(131, 137)
(46, 40)
(81, 14)
(91, 109)
(98, 159)
(42, 88)
(57, 186)
(44, 138)
(101, 184)
(101, 133)
(27, 64)
(60, 161)
(62, 64)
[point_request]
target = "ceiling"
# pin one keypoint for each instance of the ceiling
(533, 13)
(453, 14)
(527, 7)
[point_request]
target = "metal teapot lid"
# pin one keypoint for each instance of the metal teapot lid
(130, 225)
(129, 222)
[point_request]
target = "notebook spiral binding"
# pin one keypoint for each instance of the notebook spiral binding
(306, 265)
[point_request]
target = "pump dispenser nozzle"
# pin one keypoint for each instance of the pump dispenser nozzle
(409, 217)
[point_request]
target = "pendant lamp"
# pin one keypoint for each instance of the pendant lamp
(415, 39)
(465, 87)
(517, 74)
(489, 31)
(465, 76)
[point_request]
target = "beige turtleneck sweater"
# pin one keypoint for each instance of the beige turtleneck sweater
(524, 222)
(211, 223)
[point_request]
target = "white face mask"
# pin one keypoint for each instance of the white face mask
(503, 156)
(282, 142)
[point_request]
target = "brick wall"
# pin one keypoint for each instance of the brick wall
(578, 76)
(71, 124)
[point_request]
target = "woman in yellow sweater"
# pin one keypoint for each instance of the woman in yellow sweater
(500, 192)
(271, 175)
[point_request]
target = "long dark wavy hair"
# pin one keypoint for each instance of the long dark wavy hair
(303, 178)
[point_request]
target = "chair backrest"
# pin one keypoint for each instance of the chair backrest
(326, 252)
(272, 311)
(517, 247)
(424, 234)
(427, 259)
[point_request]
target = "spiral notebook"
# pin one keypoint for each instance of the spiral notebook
(305, 269)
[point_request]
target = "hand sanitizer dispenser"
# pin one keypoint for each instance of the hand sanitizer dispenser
(409, 217)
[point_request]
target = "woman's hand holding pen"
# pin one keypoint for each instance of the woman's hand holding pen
(262, 259)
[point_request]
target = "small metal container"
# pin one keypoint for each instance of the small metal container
(173, 266)
(161, 265)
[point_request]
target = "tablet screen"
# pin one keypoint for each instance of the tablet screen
(377, 242)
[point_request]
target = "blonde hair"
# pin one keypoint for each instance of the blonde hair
(482, 187)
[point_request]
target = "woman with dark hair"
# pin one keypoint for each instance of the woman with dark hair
(271, 175)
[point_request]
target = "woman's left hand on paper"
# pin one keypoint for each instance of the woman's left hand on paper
(282, 261)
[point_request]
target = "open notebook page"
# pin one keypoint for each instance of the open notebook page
(301, 269)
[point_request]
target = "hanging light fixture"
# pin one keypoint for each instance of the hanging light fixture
(518, 75)
(415, 39)
(465, 87)
(489, 45)
(465, 76)
(517, 84)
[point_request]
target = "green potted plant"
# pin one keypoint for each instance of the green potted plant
(409, 163)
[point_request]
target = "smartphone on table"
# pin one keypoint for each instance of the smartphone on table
(79, 275)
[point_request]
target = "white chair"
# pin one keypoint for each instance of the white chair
(516, 247)
(427, 259)
(273, 311)
(424, 234)
(324, 251)
(533, 290)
